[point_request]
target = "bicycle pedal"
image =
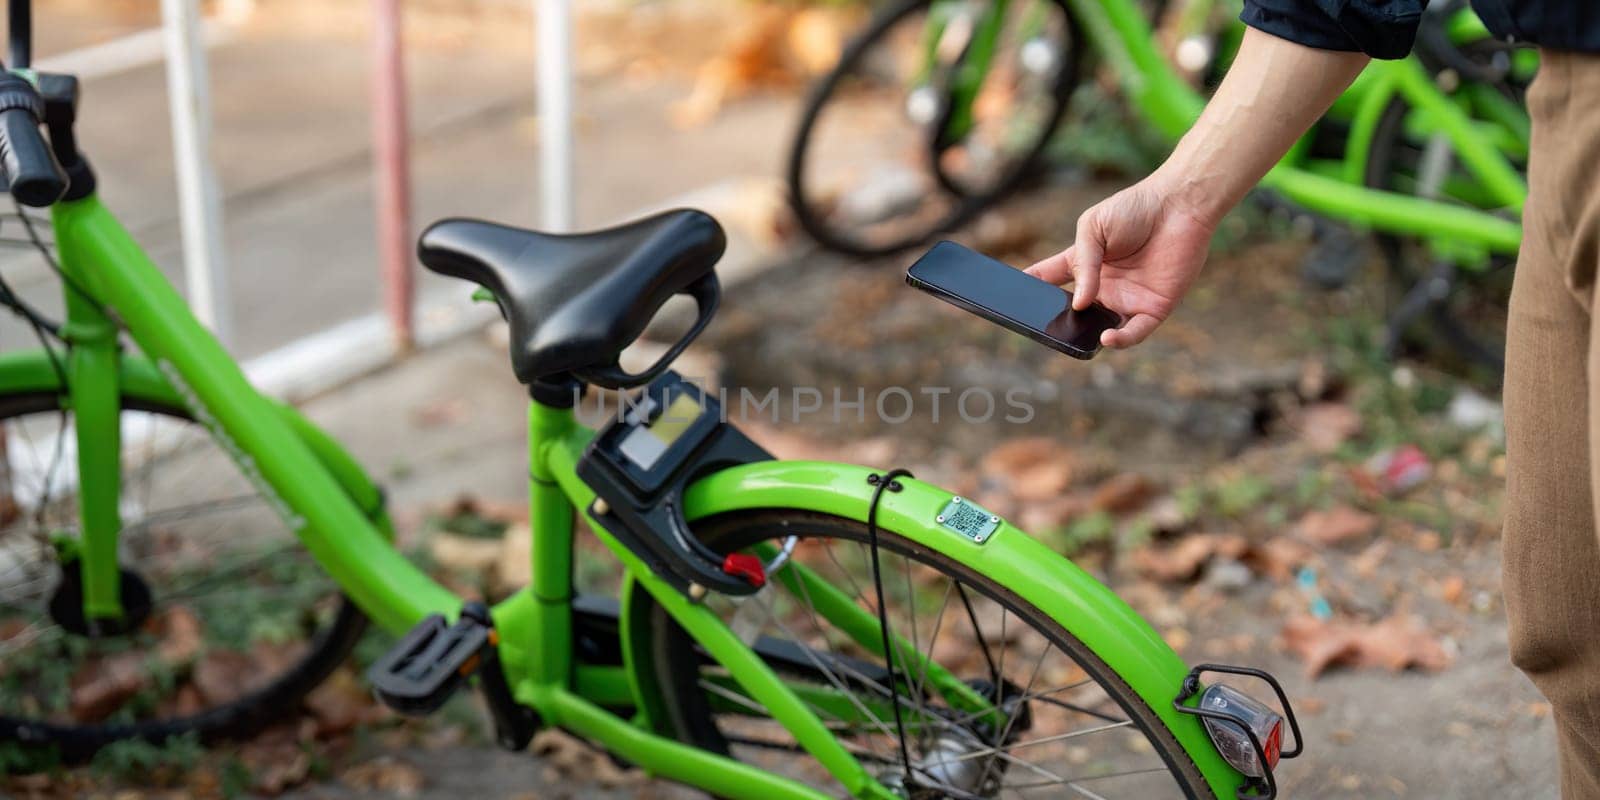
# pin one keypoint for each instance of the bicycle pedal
(432, 661)
(429, 664)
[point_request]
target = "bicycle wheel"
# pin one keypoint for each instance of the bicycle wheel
(1199, 38)
(228, 620)
(1466, 309)
(929, 119)
(1070, 723)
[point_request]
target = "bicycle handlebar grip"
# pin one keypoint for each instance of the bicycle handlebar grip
(26, 161)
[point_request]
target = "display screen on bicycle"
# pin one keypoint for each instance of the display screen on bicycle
(646, 444)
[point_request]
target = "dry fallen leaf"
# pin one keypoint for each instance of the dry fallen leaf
(817, 35)
(222, 675)
(276, 759)
(102, 685)
(1325, 426)
(1175, 562)
(1047, 515)
(753, 58)
(464, 553)
(385, 775)
(1277, 558)
(1429, 541)
(1452, 588)
(1338, 524)
(1366, 564)
(1183, 560)
(339, 704)
(181, 636)
(1000, 234)
(1394, 643)
(514, 569)
(1402, 642)
(568, 757)
(1124, 491)
(1043, 481)
(1037, 465)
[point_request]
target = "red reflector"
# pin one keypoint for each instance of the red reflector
(744, 565)
(1273, 744)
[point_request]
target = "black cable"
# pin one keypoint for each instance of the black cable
(20, 21)
(10, 299)
(881, 483)
(983, 642)
(44, 329)
(50, 259)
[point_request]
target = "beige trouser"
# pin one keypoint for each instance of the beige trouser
(1552, 402)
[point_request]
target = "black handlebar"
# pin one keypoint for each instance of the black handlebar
(26, 161)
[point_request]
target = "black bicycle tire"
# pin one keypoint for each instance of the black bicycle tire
(238, 718)
(672, 652)
(1450, 329)
(966, 208)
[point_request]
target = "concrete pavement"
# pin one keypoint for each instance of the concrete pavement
(291, 142)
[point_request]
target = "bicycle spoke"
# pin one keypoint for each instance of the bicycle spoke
(1073, 782)
(193, 511)
(911, 607)
(1047, 727)
(855, 588)
(938, 622)
(1060, 737)
(193, 528)
(27, 636)
(827, 673)
(842, 726)
(1078, 709)
(1005, 732)
(215, 576)
(55, 460)
(1026, 697)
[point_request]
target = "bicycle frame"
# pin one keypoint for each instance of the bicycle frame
(336, 511)
(1126, 41)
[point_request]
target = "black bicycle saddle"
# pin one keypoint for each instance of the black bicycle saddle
(575, 301)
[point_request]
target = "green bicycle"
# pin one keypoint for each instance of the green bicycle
(941, 107)
(783, 629)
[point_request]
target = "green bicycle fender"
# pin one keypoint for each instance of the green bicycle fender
(137, 377)
(1052, 583)
(32, 371)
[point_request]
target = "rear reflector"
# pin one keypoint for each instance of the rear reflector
(1244, 712)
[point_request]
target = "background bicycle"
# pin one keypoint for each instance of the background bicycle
(981, 90)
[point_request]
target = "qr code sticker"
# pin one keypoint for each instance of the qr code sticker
(968, 519)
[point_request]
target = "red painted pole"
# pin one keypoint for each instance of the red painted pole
(392, 165)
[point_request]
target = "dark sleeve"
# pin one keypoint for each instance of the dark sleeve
(1379, 28)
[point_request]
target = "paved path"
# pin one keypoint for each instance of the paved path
(291, 141)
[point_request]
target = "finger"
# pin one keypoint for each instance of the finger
(1088, 252)
(1056, 269)
(1135, 330)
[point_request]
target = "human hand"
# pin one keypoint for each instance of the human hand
(1137, 252)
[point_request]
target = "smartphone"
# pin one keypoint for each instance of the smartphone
(1012, 298)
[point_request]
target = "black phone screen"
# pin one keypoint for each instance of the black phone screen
(1012, 298)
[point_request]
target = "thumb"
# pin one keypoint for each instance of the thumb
(1055, 269)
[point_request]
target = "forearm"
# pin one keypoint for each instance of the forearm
(1271, 95)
